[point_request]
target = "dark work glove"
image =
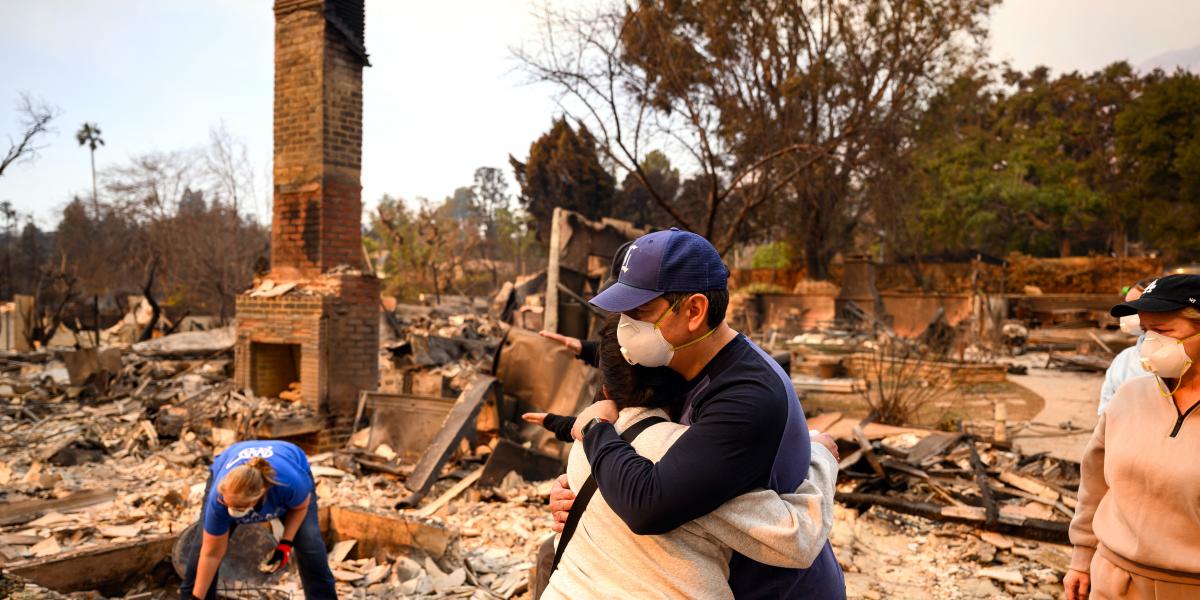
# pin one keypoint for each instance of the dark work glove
(279, 558)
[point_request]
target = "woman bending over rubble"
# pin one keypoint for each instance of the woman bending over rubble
(1136, 529)
(252, 482)
(597, 554)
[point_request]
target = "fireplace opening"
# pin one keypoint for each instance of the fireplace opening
(274, 368)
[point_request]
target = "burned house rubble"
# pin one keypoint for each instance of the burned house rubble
(960, 397)
(438, 489)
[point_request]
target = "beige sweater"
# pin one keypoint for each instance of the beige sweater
(1139, 492)
(605, 559)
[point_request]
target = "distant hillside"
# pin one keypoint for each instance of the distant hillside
(1188, 58)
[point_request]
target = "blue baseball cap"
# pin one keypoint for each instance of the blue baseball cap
(663, 262)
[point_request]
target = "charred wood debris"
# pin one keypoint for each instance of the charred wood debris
(111, 446)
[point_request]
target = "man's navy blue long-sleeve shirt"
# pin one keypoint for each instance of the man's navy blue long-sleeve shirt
(747, 431)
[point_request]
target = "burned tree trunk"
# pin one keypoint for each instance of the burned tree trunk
(155, 311)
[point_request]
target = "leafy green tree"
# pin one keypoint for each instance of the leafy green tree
(775, 255)
(490, 190)
(563, 170)
(635, 201)
(1027, 164)
(1159, 140)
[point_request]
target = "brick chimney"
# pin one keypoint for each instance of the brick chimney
(319, 58)
(323, 332)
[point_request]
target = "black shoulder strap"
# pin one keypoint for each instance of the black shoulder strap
(589, 489)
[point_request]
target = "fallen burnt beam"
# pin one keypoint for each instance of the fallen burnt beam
(12, 513)
(981, 478)
(461, 418)
(1034, 529)
(275, 429)
(530, 464)
(107, 566)
(381, 534)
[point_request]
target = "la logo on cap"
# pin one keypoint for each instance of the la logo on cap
(628, 255)
(1150, 288)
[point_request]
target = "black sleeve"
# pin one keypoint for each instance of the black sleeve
(560, 425)
(730, 450)
(590, 352)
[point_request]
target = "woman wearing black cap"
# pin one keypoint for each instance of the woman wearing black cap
(1136, 529)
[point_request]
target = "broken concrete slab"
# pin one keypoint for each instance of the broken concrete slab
(999, 574)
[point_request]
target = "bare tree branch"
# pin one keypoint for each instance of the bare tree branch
(36, 116)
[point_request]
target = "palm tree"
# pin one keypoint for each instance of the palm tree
(89, 134)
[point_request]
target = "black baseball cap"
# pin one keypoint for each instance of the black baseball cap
(1165, 294)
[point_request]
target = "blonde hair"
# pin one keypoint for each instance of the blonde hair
(1190, 313)
(248, 480)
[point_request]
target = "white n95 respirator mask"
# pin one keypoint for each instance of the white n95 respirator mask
(1132, 325)
(1165, 356)
(642, 343)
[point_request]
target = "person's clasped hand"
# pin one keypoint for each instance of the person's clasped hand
(561, 500)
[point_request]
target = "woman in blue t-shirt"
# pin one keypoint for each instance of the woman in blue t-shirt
(252, 482)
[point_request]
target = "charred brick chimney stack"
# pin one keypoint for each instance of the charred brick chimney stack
(319, 58)
(322, 329)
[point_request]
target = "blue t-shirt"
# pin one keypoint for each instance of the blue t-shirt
(291, 471)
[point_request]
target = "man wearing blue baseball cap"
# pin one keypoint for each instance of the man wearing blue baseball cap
(747, 429)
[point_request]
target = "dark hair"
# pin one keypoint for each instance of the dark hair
(633, 385)
(718, 303)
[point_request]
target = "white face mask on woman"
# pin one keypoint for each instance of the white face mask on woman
(237, 514)
(1165, 356)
